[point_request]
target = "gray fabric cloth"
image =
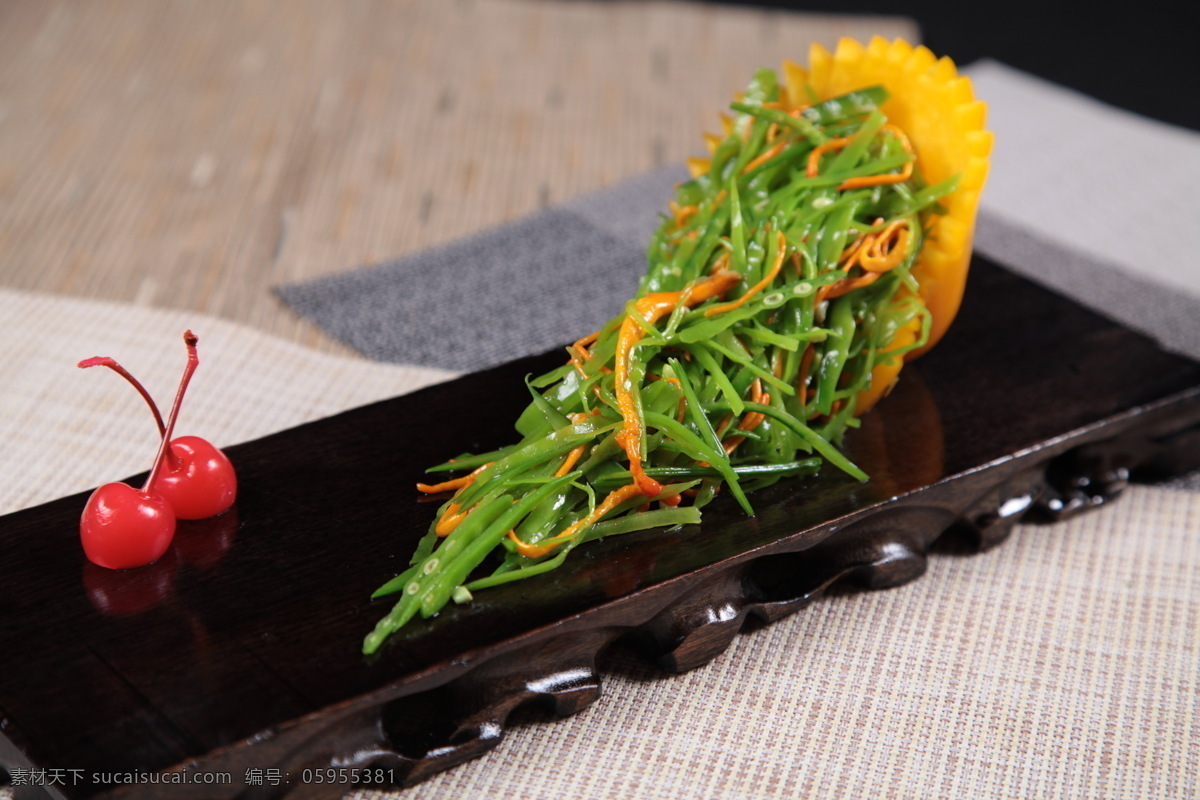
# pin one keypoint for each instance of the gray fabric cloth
(543, 281)
(512, 291)
(1168, 315)
(1113, 233)
(1110, 185)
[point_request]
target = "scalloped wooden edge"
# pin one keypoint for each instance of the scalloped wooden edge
(436, 724)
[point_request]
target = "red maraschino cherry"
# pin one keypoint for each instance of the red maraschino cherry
(123, 527)
(197, 479)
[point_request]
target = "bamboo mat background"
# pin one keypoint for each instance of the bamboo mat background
(193, 154)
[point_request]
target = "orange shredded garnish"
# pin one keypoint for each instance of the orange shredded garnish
(758, 287)
(875, 253)
(582, 344)
(814, 162)
(652, 307)
(850, 254)
(579, 353)
(822, 293)
(573, 457)
(572, 460)
(577, 360)
(756, 391)
(456, 483)
(614, 499)
(750, 421)
(765, 157)
(445, 486)
(876, 180)
(843, 286)
(887, 248)
(682, 213)
(863, 181)
(722, 426)
(814, 158)
(450, 520)
(802, 383)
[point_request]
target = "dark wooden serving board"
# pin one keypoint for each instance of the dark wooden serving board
(240, 649)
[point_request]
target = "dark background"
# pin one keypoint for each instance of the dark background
(1141, 56)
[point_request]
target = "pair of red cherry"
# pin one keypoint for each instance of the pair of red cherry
(124, 527)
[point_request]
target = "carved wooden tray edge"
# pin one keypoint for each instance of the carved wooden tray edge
(685, 622)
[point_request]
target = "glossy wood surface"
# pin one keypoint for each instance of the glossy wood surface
(241, 647)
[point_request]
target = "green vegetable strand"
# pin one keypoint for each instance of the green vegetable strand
(808, 233)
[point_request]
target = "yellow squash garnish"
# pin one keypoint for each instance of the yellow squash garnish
(937, 109)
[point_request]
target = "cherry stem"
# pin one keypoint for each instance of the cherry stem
(111, 363)
(190, 340)
(105, 361)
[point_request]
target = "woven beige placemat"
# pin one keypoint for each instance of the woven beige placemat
(65, 430)
(192, 155)
(1065, 664)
